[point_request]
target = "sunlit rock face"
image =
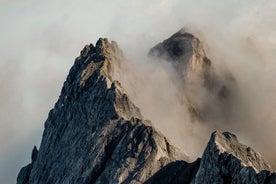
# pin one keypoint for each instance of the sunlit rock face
(225, 160)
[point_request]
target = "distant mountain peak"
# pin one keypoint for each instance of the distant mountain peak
(197, 76)
(185, 51)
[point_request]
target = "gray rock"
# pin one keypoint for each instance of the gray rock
(225, 160)
(24, 174)
(187, 55)
(95, 134)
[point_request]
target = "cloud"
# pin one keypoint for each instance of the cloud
(39, 41)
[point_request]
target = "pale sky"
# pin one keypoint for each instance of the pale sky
(40, 39)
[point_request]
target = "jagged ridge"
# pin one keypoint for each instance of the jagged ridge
(95, 134)
(225, 160)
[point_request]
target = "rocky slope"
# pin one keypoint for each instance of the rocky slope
(95, 134)
(224, 160)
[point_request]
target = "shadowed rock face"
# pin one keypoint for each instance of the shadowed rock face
(187, 55)
(175, 172)
(95, 134)
(24, 174)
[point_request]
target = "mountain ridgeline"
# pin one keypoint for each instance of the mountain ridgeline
(96, 134)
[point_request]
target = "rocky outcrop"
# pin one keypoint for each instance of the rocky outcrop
(95, 134)
(225, 160)
(187, 55)
(207, 94)
(24, 174)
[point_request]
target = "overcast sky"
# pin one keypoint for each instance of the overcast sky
(40, 39)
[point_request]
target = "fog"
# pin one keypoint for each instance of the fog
(39, 41)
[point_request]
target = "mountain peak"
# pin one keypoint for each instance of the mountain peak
(184, 50)
(228, 143)
(225, 160)
(95, 134)
(98, 58)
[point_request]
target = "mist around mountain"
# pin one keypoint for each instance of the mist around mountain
(40, 39)
(96, 134)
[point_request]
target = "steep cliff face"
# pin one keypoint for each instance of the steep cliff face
(95, 134)
(225, 160)
(207, 94)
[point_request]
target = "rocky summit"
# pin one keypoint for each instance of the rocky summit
(96, 134)
(198, 76)
(187, 55)
(225, 160)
